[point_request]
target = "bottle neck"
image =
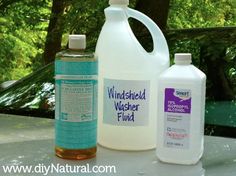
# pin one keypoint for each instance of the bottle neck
(183, 63)
(116, 13)
(119, 5)
(76, 49)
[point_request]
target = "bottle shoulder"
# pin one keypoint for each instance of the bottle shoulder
(75, 55)
(177, 72)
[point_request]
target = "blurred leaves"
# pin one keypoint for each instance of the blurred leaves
(23, 29)
(85, 17)
(201, 13)
(22, 33)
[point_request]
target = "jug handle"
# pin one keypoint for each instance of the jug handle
(156, 33)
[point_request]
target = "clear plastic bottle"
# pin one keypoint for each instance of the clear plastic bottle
(180, 119)
(76, 101)
(127, 80)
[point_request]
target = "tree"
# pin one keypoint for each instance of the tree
(22, 35)
(157, 10)
(201, 13)
(6, 3)
(221, 89)
(74, 16)
(55, 31)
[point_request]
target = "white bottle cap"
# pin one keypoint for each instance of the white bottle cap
(183, 58)
(77, 41)
(119, 2)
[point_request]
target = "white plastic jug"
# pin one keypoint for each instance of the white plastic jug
(127, 83)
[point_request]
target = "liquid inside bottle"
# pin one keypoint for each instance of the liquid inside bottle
(77, 154)
(128, 80)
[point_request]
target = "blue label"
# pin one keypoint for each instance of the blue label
(76, 68)
(76, 106)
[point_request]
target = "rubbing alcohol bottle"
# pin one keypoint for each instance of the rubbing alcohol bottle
(76, 101)
(181, 107)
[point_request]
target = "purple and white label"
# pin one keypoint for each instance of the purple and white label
(177, 101)
(177, 108)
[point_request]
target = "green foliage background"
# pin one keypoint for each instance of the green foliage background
(23, 28)
(202, 13)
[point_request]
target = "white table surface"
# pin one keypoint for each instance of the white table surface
(30, 141)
